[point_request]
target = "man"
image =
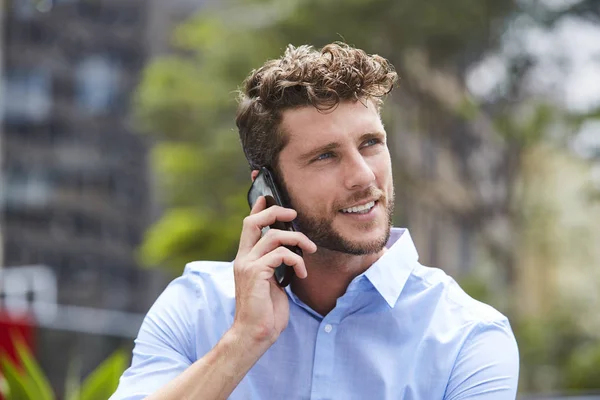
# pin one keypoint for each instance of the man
(362, 319)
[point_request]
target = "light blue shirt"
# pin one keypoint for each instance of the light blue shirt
(401, 331)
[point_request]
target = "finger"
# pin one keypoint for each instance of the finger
(253, 224)
(259, 205)
(276, 238)
(281, 255)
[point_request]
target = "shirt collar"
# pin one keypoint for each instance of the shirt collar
(389, 274)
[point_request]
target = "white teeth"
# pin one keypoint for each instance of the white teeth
(363, 208)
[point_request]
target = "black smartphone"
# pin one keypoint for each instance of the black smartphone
(264, 185)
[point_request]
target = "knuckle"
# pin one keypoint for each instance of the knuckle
(277, 235)
(297, 258)
(238, 264)
(282, 251)
(302, 241)
(271, 233)
(270, 211)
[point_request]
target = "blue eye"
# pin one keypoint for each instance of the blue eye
(372, 142)
(324, 156)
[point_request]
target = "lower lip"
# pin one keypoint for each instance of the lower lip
(362, 217)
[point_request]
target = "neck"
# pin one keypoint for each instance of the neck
(329, 274)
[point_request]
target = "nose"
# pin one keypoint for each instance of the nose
(358, 173)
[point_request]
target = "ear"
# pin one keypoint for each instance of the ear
(254, 174)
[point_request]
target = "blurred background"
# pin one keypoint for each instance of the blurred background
(120, 161)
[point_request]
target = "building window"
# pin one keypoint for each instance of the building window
(27, 189)
(15, 253)
(30, 94)
(97, 84)
(23, 9)
(26, 9)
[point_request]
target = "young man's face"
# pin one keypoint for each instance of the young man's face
(337, 171)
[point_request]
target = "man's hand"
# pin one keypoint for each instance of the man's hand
(262, 309)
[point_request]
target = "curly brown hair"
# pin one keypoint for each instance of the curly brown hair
(305, 76)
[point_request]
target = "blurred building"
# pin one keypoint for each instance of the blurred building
(75, 193)
(75, 190)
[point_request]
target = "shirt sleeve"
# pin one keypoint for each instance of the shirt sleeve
(487, 366)
(163, 348)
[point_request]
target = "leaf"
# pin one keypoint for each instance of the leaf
(171, 235)
(103, 381)
(36, 376)
(3, 386)
(72, 384)
(19, 387)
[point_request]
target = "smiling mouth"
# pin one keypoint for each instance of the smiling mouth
(362, 209)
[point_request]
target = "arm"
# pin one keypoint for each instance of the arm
(165, 347)
(216, 374)
(487, 366)
(164, 358)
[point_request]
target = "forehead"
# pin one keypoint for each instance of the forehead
(306, 127)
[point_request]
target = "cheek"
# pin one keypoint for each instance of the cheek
(314, 196)
(384, 169)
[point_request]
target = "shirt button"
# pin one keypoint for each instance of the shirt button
(328, 328)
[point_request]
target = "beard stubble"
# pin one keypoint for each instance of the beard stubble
(320, 229)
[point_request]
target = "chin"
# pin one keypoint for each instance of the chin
(366, 232)
(363, 248)
(364, 243)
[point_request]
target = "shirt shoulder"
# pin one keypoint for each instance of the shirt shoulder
(204, 297)
(183, 324)
(210, 277)
(453, 301)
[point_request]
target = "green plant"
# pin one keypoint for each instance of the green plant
(26, 381)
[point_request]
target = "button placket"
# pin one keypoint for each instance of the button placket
(325, 352)
(324, 362)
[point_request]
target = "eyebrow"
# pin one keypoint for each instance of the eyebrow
(335, 145)
(371, 135)
(319, 150)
